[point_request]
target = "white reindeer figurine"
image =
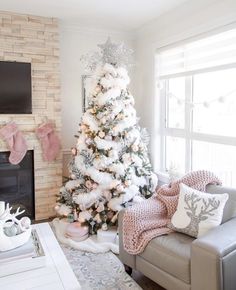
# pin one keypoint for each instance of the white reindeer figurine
(7, 219)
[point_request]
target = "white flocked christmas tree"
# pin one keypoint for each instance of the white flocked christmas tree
(110, 168)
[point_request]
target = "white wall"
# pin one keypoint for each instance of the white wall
(75, 42)
(190, 19)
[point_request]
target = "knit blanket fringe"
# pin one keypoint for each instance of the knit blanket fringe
(144, 221)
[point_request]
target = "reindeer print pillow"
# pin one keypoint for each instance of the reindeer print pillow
(197, 212)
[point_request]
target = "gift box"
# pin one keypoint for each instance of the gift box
(77, 232)
(109, 236)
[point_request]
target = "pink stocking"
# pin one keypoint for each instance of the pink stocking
(49, 141)
(16, 142)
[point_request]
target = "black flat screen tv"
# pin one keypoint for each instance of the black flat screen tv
(15, 88)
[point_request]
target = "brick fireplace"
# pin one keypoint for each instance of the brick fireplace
(33, 39)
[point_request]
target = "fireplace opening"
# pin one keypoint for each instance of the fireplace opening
(17, 183)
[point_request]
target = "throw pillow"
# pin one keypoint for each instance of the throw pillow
(197, 212)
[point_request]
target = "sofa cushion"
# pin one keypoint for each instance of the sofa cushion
(171, 253)
(197, 212)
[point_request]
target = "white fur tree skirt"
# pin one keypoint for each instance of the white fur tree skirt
(91, 244)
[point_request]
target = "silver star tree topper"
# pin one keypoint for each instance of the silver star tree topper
(110, 52)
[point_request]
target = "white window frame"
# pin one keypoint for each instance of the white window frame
(186, 133)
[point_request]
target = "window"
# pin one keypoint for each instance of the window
(197, 84)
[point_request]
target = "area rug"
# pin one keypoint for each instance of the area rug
(98, 271)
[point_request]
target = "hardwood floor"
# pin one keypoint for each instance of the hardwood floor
(144, 282)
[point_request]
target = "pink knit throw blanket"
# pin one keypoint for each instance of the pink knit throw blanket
(144, 221)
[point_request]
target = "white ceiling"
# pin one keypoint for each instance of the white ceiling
(123, 15)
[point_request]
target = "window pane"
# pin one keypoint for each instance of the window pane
(175, 154)
(216, 93)
(218, 158)
(176, 103)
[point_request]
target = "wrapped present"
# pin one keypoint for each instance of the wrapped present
(108, 236)
(77, 232)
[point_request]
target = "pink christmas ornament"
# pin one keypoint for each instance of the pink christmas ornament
(100, 207)
(127, 182)
(107, 194)
(88, 184)
(134, 148)
(98, 89)
(120, 188)
(73, 151)
(83, 127)
(95, 185)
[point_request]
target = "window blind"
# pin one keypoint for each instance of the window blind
(209, 52)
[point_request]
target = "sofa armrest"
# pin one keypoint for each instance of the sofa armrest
(125, 257)
(213, 259)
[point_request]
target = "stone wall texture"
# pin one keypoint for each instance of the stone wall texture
(33, 39)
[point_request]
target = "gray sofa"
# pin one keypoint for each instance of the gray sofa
(179, 262)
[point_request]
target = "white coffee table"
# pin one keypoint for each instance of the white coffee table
(57, 275)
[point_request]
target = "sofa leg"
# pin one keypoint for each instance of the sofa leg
(128, 270)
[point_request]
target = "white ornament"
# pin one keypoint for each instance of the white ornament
(113, 154)
(25, 222)
(108, 137)
(206, 105)
(11, 230)
(104, 227)
(135, 148)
